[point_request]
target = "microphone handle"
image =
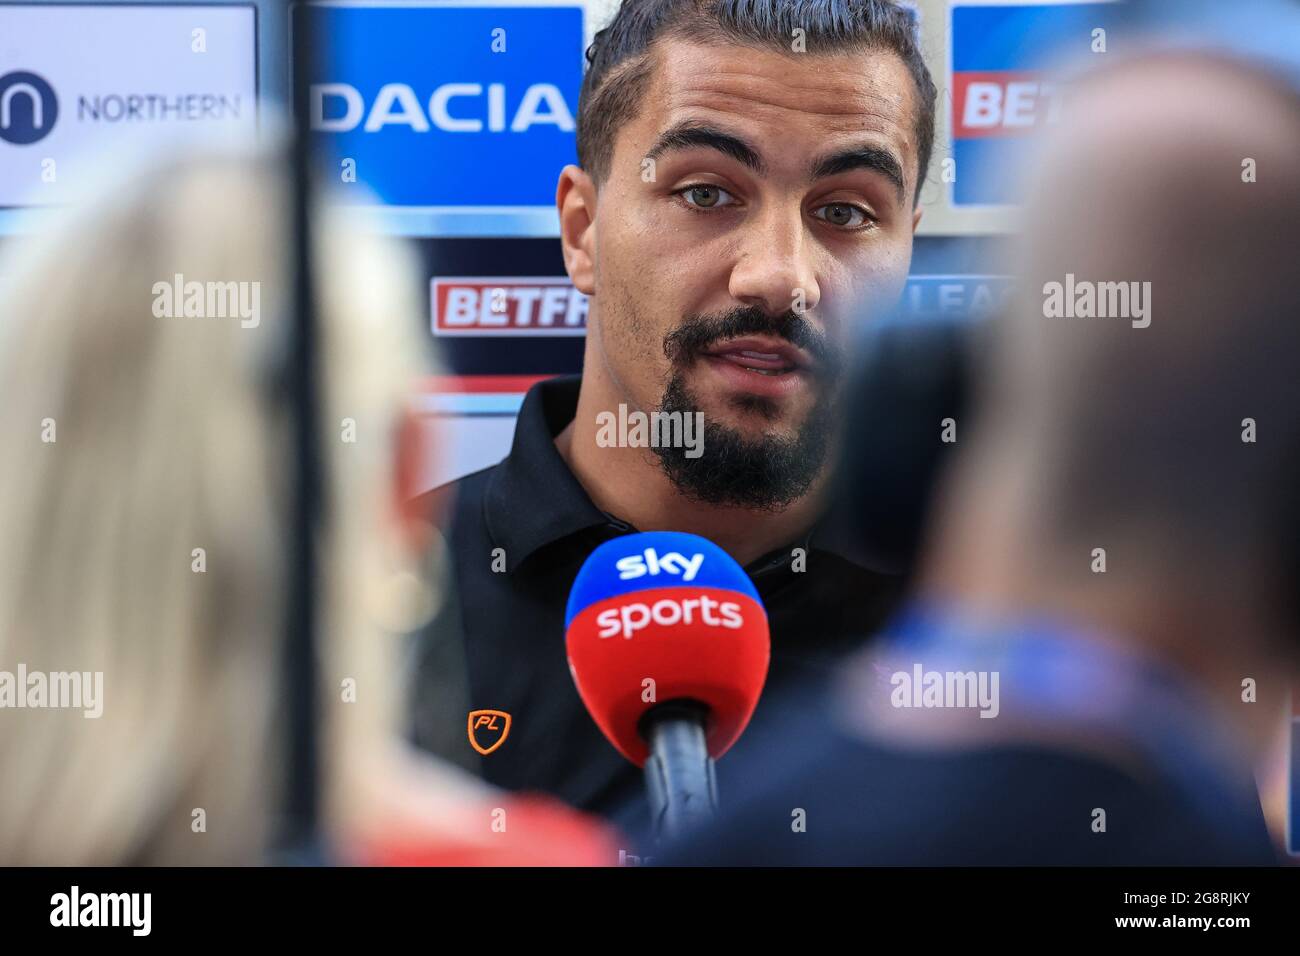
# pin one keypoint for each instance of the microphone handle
(680, 779)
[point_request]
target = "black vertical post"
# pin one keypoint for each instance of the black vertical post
(299, 839)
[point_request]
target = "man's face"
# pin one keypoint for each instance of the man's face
(756, 206)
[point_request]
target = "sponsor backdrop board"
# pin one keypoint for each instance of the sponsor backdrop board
(82, 86)
(457, 119)
(1002, 86)
(996, 63)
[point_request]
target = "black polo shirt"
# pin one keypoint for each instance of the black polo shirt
(498, 640)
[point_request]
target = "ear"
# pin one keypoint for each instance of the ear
(575, 199)
(916, 219)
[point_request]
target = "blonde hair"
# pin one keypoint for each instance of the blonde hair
(169, 436)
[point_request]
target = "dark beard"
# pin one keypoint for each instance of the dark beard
(764, 474)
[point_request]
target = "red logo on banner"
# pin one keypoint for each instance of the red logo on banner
(488, 305)
(1002, 103)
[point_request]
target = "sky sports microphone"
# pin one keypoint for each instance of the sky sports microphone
(668, 646)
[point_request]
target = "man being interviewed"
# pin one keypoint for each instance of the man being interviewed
(747, 191)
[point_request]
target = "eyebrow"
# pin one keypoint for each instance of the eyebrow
(691, 134)
(874, 158)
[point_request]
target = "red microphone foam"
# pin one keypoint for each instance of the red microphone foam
(704, 643)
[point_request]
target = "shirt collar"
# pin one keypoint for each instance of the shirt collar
(533, 499)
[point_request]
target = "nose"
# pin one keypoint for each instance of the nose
(775, 269)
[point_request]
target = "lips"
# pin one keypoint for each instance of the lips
(761, 354)
(760, 365)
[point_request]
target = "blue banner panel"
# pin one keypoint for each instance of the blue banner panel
(466, 110)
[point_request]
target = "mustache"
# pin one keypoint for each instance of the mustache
(699, 333)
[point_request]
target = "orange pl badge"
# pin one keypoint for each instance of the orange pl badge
(491, 726)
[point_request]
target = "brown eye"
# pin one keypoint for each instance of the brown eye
(704, 196)
(841, 214)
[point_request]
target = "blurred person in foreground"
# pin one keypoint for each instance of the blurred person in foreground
(145, 501)
(1098, 654)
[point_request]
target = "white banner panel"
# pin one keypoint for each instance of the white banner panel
(81, 83)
